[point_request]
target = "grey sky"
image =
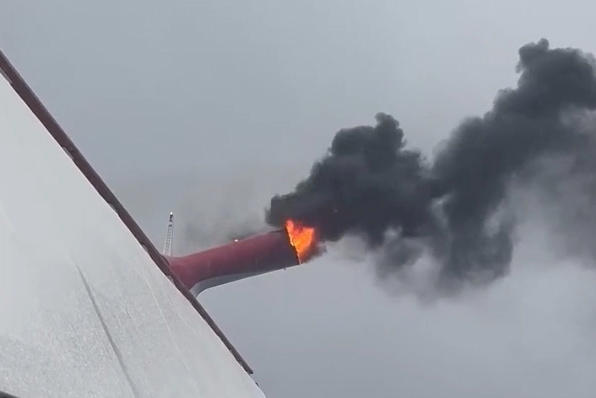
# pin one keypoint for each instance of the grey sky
(208, 108)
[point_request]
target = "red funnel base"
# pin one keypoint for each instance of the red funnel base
(237, 260)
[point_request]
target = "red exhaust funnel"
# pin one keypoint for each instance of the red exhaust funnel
(240, 259)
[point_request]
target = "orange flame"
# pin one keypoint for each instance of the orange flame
(301, 238)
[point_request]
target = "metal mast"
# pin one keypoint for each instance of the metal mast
(167, 246)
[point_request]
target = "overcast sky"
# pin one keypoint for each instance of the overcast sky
(208, 108)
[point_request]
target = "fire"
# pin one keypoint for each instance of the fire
(301, 238)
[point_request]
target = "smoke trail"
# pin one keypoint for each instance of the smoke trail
(369, 183)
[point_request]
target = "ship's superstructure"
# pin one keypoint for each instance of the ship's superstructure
(169, 241)
(88, 306)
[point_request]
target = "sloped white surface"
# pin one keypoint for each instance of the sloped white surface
(84, 311)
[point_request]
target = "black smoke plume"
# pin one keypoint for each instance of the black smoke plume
(369, 183)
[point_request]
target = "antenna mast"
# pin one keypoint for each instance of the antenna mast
(167, 246)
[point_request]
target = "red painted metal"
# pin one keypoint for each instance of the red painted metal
(246, 257)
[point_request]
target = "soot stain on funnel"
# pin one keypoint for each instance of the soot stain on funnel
(369, 183)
